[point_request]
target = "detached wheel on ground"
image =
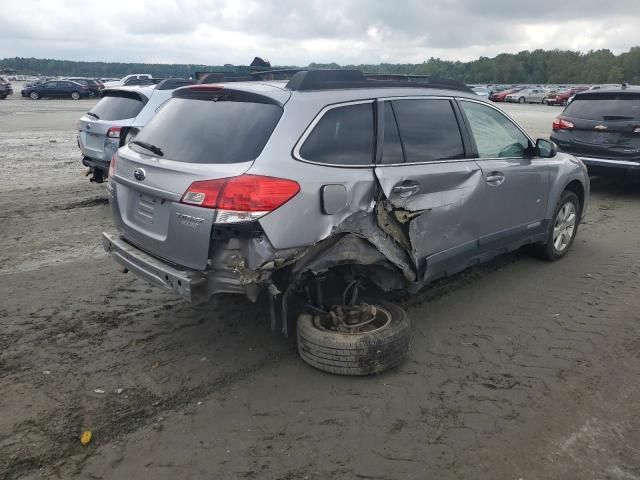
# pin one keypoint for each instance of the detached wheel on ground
(75, 95)
(377, 343)
(563, 228)
(34, 95)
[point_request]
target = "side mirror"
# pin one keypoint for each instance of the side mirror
(546, 148)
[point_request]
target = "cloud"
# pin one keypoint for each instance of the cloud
(294, 32)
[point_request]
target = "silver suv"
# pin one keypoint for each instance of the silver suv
(325, 192)
(116, 118)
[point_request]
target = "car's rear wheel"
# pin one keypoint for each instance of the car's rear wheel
(34, 95)
(563, 228)
(521, 100)
(544, 101)
(565, 102)
(361, 349)
(75, 95)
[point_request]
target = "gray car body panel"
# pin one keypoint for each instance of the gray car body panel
(342, 214)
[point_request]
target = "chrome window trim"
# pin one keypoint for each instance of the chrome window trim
(315, 121)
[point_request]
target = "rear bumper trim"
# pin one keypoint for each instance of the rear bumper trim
(189, 284)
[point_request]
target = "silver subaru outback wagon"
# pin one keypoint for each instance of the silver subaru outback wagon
(329, 192)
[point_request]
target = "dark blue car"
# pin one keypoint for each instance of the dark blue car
(57, 88)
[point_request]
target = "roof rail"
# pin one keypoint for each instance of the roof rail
(306, 80)
(173, 83)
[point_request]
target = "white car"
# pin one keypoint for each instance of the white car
(482, 91)
(126, 81)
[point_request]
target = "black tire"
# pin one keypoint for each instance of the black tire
(548, 250)
(75, 95)
(358, 353)
(521, 100)
(565, 102)
(544, 101)
(34, 95)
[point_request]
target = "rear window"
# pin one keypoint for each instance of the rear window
(200, 131)
(343, 136)
(117, 107)
(616, 108)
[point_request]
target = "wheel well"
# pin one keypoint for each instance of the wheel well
(576, 187)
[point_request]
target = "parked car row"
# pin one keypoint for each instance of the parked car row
(323, 192)
(551, 95)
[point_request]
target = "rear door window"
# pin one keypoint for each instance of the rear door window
(429, 130)
(201, 131)
(118, 107)
(343, 136)
(607, 108)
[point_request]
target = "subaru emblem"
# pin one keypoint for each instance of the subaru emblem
(139, 174)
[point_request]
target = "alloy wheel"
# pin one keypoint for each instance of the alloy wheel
(564, 226)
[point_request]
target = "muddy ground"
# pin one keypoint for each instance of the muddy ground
(520, 369)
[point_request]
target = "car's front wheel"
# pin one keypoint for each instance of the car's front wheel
(34, 95)
(521, 100)
(563, 227)
(75, 95)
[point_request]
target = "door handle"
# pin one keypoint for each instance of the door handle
(495, 178)
(406, 189)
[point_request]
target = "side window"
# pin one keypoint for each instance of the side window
(343, 136)
(495, 135)
(392, 151)
(429, 130)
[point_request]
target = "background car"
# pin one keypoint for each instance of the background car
(123, 81)
(480, 90)
(500, 96)
(527, 95)
(57, 88)
(95, 87)
(6, 88)
(602, 128)
(563, 97)
(116, 119)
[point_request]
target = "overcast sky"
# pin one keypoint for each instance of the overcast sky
(297, 32)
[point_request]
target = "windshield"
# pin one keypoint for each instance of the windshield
(604, 108)
(201, 131)
(117, 107)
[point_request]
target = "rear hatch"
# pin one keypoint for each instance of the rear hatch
(117, 108)
(605, 125)
(195, 137)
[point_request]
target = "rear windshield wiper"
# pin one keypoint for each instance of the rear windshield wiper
(93, 115)
(150, 147)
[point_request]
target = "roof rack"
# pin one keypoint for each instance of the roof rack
(173, 83)
(308, 80)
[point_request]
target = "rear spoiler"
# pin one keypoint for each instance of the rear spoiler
(115, 92)
(219, 93)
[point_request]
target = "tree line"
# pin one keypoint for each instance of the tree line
(538, 66)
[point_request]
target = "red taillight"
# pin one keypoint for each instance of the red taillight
(255, 195)
(114, 132)
(562, 124)
(112, 167)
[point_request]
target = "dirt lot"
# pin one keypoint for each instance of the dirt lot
(520, 369)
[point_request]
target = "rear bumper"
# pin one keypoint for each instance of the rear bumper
(607, 166)
(189, 284)
(193, 285)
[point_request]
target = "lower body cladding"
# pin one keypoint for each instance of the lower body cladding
(612, 167)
